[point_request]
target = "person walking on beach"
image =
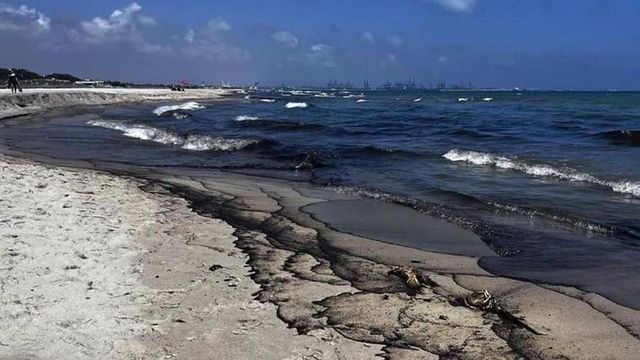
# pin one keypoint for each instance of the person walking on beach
(13, 83)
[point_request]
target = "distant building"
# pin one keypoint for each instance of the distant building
(398, 85)
(96, 83)
(338, 85)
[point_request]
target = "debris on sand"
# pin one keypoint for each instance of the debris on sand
(480, 300)
(486, 302)
(215, 267)
(408, 274)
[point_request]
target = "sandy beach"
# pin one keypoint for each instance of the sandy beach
(110, 261)
(93, 267)
(38, 100)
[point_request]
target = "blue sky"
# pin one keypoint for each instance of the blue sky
(578, 44)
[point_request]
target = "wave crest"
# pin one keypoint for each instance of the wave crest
(194, 142)
(296, 105)
(246, 118)
(191, 105)
(544, 170)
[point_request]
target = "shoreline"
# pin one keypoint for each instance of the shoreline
(331, 283)
(39, 100)
(309, 284)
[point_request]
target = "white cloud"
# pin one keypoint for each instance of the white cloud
(395, 40)
(286, 38)
(217, 26)
(149, 48)
(147, 20)
(189, 36)
(23, 19)
(442, 59)
(216, 51)
(390, 59)
(321, 54)
(456, 5)
(209, 43)
(123, 26)
(367, 37)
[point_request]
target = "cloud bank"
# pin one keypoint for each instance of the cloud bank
(23, 20)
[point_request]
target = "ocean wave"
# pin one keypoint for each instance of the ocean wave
(310, 160)
(554, 215)
(542, 170)
(381, 151)
(350, 96)
(621, 137)
(279, 124)
(466, 133)
(266, 100)
(246, 118)
(191, 105)
(189, 142)
(296, 105)
(361, 100)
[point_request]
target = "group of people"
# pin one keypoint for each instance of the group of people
(12, 82)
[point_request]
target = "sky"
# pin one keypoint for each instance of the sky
(547, 44)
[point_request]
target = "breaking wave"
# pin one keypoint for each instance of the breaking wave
(189, 142)
(543, 170)
(191, 105)
(296, 105)
(246, 118)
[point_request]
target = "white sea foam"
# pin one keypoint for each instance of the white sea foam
(487, 99)
(267, 100)
(543, 170)
(463, 99)
(191, 105)
(190, 142)
(361, 100)
(294, 105)
(417, 100)
(361, 95)
(246, 118)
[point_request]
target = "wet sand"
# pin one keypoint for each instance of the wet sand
(399, 225)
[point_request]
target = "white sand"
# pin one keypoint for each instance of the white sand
(92, 267)
(32, 101)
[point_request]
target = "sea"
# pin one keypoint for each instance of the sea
(554, 175)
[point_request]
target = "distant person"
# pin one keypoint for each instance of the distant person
(13, 83)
